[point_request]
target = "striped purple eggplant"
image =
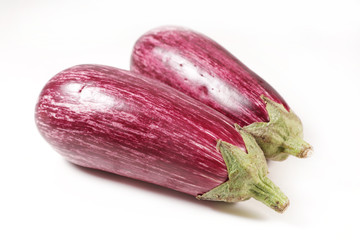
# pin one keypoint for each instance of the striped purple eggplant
(117, 121)
(202, 69)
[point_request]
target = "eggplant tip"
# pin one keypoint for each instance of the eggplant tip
(283, 208)
(307, 152)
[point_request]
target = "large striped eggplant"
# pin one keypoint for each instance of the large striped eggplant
(117, 121)
(202, 69)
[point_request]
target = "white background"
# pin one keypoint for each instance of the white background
(308, 50)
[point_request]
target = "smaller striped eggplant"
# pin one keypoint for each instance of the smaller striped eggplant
(199, 67)
(117, 121)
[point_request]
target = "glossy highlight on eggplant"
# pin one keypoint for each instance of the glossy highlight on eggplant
(110, 119)
(201, 68)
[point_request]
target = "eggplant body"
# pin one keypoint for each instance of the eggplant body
(109, 119)
(199, 67)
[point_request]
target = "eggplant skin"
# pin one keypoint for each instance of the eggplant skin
(201, 68)
(110, 119)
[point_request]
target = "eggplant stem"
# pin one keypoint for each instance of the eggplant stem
(269, 194)
(297, 147)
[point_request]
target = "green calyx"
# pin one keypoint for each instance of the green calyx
(246, 176)
(282, 135)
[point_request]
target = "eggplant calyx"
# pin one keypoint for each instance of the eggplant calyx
(246, 177)
(282, 135)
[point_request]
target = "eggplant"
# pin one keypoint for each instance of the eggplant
(117, 121)
(199, 67)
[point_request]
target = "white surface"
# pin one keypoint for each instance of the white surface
(309, 51)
